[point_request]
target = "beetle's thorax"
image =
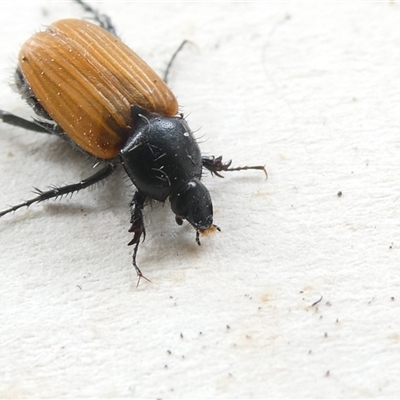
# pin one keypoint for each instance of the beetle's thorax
(162, 155)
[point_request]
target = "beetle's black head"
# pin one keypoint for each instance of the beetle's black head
(193, 203)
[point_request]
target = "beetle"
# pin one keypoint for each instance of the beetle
(91, 90)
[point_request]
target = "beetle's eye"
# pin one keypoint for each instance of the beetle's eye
(193, 202)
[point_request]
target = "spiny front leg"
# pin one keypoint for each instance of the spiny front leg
(137, 228)
(215, 165)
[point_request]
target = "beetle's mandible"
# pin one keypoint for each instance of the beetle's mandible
(87, 87)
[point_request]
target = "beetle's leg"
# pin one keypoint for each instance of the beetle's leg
(37, 126)
(103, 20)
(216, 165)
(64, 190)
(14, 120)
(137, 228)
(171, 61)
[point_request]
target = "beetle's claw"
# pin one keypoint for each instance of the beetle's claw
(140, 276)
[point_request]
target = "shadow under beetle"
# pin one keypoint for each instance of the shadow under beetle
(91, 90)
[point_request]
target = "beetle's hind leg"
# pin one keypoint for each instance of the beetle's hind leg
(137, 228)
(103, 20)
(47, 125)
(36, 126)
(55, 192)
(14, 120)
(216, 165)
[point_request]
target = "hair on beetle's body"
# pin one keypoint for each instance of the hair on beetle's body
(90, 89)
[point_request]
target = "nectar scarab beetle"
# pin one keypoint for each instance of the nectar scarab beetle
(90, 89)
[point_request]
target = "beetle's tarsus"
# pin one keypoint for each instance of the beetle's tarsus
(13, 208)
(137, 269)
(141, 276)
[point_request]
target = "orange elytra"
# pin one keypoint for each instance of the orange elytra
(87, 79)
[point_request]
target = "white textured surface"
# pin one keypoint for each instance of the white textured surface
(310, 89)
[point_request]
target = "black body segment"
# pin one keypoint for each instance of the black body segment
(161, 155)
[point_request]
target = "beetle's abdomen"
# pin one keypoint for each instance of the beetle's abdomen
(86, 79)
